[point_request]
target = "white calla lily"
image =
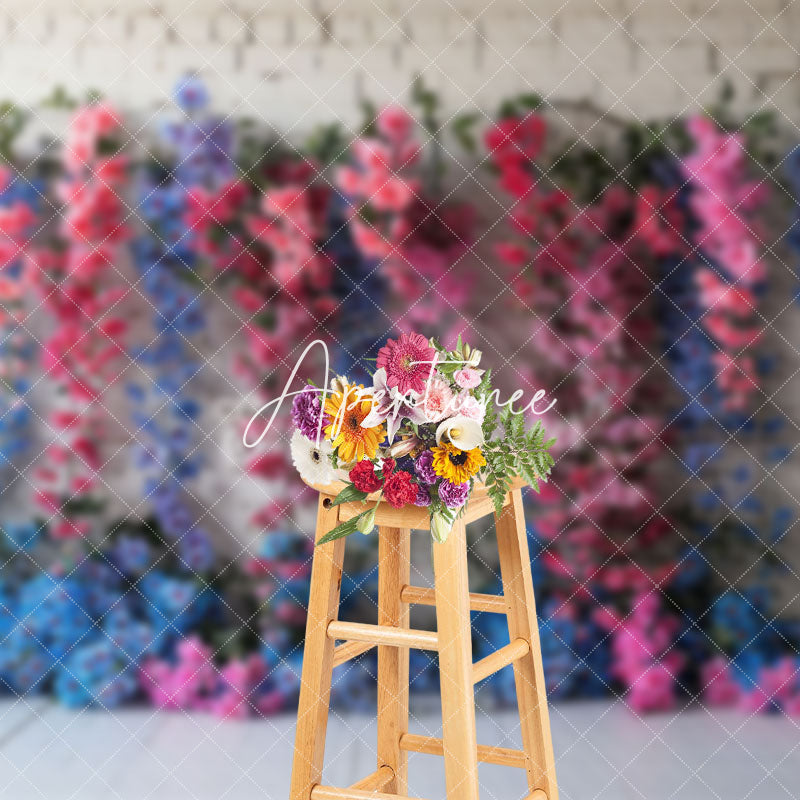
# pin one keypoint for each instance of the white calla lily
(463, 432)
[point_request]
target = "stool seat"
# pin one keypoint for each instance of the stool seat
(452, 641)
(418, 519)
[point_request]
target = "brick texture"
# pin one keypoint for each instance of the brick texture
(297, 62)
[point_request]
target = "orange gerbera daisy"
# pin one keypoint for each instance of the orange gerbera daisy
(347, 410)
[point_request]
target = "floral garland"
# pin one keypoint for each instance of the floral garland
(417, 240)
(222, 674)
(261, 234)
(19, 206)
(792, 171)
(421, 435)
(166, 257)
(84, 351)
(621, 613)
(744, 663)
(583, 272)
(722, 202)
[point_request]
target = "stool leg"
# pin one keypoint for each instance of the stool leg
(515, 566)
(315, 686)
(394, 572)
(455, 665)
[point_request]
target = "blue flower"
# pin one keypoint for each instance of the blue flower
(98, 672)
(191, 94)
(132, 553)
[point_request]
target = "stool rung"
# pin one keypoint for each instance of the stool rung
(342, 653)
(430, 745)
(375, 781)
(383, 635)
(491, 603)
(494, 662)
(332, 793)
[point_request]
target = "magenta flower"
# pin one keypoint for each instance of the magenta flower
(408, 362)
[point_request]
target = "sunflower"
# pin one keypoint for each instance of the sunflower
(347, 410)
(457, 466)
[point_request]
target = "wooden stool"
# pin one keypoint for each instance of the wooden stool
(453, 641)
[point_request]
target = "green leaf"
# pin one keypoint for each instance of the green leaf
(463, 126)
(348, 495)
(344, 529)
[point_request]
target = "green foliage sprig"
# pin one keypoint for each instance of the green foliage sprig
(514, 452)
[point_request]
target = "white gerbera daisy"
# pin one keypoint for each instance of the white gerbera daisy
(312, 462)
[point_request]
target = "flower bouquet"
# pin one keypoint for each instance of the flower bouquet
(423, 434)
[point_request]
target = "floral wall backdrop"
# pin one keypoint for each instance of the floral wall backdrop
(159, 284)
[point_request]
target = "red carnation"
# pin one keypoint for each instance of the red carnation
(399, 490)
(364, 478)
(388, 467)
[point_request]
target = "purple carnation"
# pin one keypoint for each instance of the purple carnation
(423, 466)
(306, 411)
(453, 495)
(423, 496)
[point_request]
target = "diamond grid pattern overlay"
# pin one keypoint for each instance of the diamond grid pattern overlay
(580, 46)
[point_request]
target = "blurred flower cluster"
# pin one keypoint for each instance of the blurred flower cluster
(20, 207)
(81, 285)
(631, 290)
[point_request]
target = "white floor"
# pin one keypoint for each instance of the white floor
(602, 751)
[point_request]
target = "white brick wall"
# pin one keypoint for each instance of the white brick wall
(301, 61)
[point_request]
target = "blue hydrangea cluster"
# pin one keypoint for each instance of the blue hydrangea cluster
(97, 673)
(49, 618)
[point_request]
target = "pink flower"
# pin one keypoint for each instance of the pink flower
(792, 706)
(369, 240)
(754, 700)
(515, 255)
(467, 378)
(373, 155)
(719, 689)
(438, 399)
(653, 691)
(349, 180)
(390, 194)
(395, 123)
(468, 406)
(408, 362)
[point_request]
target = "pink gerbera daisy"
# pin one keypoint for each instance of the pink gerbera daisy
(407, 361)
